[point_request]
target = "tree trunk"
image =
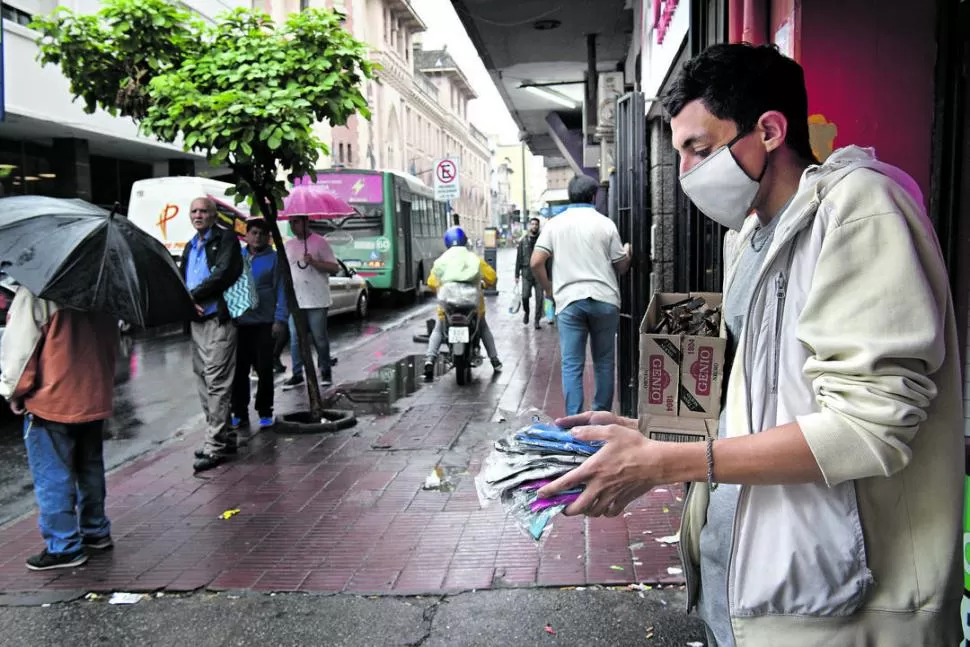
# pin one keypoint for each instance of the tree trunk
(268, 209)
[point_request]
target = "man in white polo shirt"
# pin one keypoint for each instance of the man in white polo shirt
(588, 255)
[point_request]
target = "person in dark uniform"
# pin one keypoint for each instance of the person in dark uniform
(530, 286)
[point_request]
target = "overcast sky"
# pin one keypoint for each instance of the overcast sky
(488, 112)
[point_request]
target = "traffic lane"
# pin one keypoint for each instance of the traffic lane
(155, 397)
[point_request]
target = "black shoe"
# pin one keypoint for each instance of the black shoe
(525, 318)
(231, 449)
(326, 380)
(208, 462)
(538, 326)
(98, 543)
(278, 367)
(496, 365)
(429, 370)
(47, 561)
(293, 382)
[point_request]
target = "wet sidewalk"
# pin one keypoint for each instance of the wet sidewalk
(348, 511)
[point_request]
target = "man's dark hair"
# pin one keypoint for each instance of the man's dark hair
(534, 220)
(582, 189)
(256, 223)
(741, 82)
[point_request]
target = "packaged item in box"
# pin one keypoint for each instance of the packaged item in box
(682, 355)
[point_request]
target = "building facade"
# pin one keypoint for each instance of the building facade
(50, 146)
(526, 178)
(418, 102)
(558, 177)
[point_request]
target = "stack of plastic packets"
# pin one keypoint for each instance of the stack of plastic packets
(521, 464)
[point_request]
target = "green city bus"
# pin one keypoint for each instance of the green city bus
(397, 233)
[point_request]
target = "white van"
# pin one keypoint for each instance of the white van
(160, 206)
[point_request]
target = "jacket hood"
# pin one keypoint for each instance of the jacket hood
(816, 182)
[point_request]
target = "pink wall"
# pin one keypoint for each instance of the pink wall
(869, 68)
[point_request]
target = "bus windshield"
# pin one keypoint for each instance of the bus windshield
(364, 192)
(368, 221)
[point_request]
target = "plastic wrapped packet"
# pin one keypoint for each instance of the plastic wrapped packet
(523, 462)
(534, 515)
(461, 295)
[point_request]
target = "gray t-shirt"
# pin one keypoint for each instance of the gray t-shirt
(717, 534)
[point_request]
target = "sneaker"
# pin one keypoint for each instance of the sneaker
(429, 370)
(278, 367)
(525, 318)
(47, 561)
(496, 365)
(98, 543)
(538, 325)
(252, 376)
(293, 382)
(236, 422)
(326, 380)
(265, 422)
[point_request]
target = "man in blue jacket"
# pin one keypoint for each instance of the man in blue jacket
(258, 328)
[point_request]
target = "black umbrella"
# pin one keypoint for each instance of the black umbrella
(83, 257)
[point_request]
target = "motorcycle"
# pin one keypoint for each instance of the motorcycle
(460, 303)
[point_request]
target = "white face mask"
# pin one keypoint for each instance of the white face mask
(721, 189)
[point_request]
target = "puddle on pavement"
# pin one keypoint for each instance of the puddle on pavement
(377, 394)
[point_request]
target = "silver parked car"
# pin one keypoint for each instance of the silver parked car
(349, 293)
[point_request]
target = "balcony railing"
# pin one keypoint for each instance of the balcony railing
(426, 86)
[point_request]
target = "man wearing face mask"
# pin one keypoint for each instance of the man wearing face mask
(828, 509)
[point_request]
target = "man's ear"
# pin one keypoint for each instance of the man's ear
(774, 129)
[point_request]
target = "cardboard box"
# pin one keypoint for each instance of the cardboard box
(680, 375)
(677, 429)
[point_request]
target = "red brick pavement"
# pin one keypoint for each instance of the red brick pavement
(347, 512)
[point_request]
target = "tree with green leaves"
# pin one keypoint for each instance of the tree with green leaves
(244, 91)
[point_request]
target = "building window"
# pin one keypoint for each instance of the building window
(340, 157)
(350, 154)
(304, 4)
(15, 15)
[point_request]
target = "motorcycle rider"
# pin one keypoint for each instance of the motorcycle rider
(460, 265)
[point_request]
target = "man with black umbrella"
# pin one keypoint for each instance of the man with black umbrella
(211, 264)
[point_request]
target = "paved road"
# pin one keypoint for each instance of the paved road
(475, 619)
(155, 398)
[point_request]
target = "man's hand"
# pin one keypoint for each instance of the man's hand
(279, 328)
(595, 418)
(17, 407)
(628, 250)
(309, 260)
(516, 280)
(624, 469)
(199, 310)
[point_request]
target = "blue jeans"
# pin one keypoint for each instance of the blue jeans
(599, 322)
(317, 321)
(67, 466)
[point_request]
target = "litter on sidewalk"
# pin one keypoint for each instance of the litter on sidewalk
(126, 598)
(521, 464)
